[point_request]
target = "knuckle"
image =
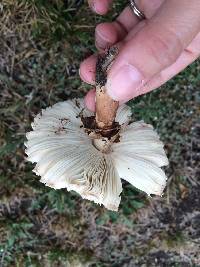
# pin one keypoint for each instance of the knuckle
(142, 5)
(164, 48)
(149, 8)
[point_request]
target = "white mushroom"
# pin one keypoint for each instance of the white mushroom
(76, 149)
(68, 155)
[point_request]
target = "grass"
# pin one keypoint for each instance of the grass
(41, 47)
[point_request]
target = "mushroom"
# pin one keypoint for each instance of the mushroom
(89, 153)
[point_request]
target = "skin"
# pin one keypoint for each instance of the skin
(151, 51)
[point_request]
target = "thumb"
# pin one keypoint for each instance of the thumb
(157, 45)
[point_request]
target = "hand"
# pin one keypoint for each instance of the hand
(152, 51)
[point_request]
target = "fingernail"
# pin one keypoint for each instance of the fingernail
(92, 5)
(87, 77)
(125, 84)
(101, 42)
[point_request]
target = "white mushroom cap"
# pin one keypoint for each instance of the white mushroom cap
(67, 157)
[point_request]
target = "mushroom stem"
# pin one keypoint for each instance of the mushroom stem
(106, 107)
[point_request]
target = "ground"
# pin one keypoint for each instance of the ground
(41, 47)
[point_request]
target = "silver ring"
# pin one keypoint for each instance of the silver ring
(136, 10)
